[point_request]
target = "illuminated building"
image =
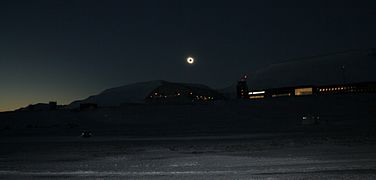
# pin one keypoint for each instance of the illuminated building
(256, 94)
(303, 91)
(354, 88)
(179, 93)
(349, 88)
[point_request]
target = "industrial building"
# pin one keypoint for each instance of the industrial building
(349, 88)
(242, 88)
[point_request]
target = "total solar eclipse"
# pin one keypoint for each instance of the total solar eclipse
(190, 60)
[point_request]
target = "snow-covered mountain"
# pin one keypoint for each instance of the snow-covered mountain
(345, 67)
(132, 93)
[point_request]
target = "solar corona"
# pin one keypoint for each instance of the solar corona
(190, 60)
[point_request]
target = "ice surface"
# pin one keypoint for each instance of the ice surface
(253, 157)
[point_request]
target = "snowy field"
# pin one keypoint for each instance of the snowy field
(261, 156)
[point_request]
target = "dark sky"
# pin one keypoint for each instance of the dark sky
(69, 49)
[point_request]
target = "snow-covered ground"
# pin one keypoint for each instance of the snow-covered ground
(262, 156)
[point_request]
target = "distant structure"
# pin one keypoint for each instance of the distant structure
(242, 88)
(52, 105)
(180, 93)
(348, 88)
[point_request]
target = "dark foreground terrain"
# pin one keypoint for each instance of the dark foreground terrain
(258, 156)
(315, 137)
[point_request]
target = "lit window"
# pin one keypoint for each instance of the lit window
(303, 91)
(256, 97)
(281, 95)
(256, 92)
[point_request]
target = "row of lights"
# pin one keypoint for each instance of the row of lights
(337, 89)
(281, 95)
(178, 94)
(204, 98)
(307, 91)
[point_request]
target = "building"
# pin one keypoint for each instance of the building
(181, 93)
(53, 105)
(337, 73)
(353, 88)
(348, 88)
(242, 88)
